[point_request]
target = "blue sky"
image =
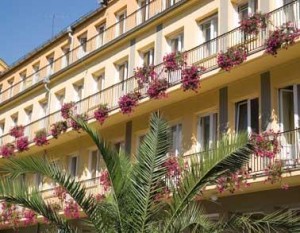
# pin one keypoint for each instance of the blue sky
(26, 24)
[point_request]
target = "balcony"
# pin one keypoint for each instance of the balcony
(202, 55)
(142, 16)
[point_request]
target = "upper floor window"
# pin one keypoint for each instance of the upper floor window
(50, 67)
(169, 3)
(121, 23)
(120, 146)
(14, 119)
(28, 119)
(43, 113)
(209, 31)
(288, 102)
(148, 57)
(207, 131)
(176, 139)
(122, 73)
(2, 128)
(100, 37)
(60, 99)
(99, 81)
(176, 43)
(11, 84)
(36, 72)
(247, 116)
(66, 56)
(143, 12)
(95, 163)
(23, 80)
(247, 8)
(82, 50)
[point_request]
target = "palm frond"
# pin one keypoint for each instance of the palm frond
(14, 193)
(278, 221)
(148, 171)
(230, 155)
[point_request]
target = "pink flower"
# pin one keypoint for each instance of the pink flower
(60, 192)
(67, 110)
(144, 75)
(71, 209)
(252, 24)
(74, 124)
(22, 144)
(128, 102)
(30, 217)
(101, 113)
(174, 61)
(190, 77)
(104, 180)
(58, 128)
(7, 150)
(232, 57)
(157, 88)
(17, 131)
(40, 138)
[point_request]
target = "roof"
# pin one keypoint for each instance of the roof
(59, 35)
(3, 65)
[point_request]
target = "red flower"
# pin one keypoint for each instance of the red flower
(174, 61)
(71, 209)
(252, 24)
(74, 124)
(30, 217)
(144, 75)
(104, 180)
(67, 110)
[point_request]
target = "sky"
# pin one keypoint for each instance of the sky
(26, 24)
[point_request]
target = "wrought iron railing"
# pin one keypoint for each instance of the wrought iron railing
(204, 55)
(98, 41)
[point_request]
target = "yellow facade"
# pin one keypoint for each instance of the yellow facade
(34, 89)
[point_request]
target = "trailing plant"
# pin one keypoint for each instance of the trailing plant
(252, 24)
(74, 123)
(190, 78)
(22, 144)
(144, 75)
(282, 37)
(60, 193)
(30, 217)
(266, 144)
(128, 102)
(174, 61)
(67, 110)
(58, 128)
(157, 88)
(101, 113)
(104, 180)
(71, 209)
(232, 57)
(40, 138)
(7, 150)
(9, 215)
(17, 131)
(274, 172)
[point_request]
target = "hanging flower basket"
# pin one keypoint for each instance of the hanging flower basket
(101, 113)
(74, 124)
(58, 128)
(174, 61)
(252, 24)
(190, 78)
(282, 37)
(232, 57)
(7, 150)
(157, 88)
(144, 75)
(67, 110)
(40, 138)
(71, 209)
(128, 102)
(22, 144)
(17, 131)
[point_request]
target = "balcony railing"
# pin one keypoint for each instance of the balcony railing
(129, 23)
(204, 55)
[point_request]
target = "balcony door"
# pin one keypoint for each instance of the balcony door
(207, 131)
(209, 31)
(289, 121)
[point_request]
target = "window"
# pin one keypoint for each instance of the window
(95, 163)
(121, 20)
(120, 146)
(2, 127)
(100, 37)
(23, 81)
(36, 75)
(143, 11)
(207, 131)
(50, 68)
(176, 137)
(82, 46)
(247, 116)
(73, 165)
(148, 57)
(209, 31)
(99, 82)
(14, 119)
(248, 8)
(140, 140)
(123, 73)
(66, 56)
(169, 3)
(60, 99)
(176, 43)
(79, 88)
(43, 114)
(10, 83)
(38, 181)
(28, 112)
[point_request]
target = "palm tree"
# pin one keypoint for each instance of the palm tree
(132, 205)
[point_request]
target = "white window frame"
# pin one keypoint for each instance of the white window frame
(82, 50)
(121, 142)
(121, 23)
(23, 80)
(98, 169)
(150, 53)
(70, 158)
(178, 142)
(99, 81)
(125, 75)
(50, 66)
(101, 35)
(213, 130)
(141, 17)
(44, 112)
(28, 120)
(36, 75)
(172, 41)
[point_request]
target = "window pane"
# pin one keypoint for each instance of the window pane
(254, 115)
(242, 117)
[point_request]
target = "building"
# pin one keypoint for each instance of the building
(93, 61)
(3, 65)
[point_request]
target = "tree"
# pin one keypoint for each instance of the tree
(134, 203)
